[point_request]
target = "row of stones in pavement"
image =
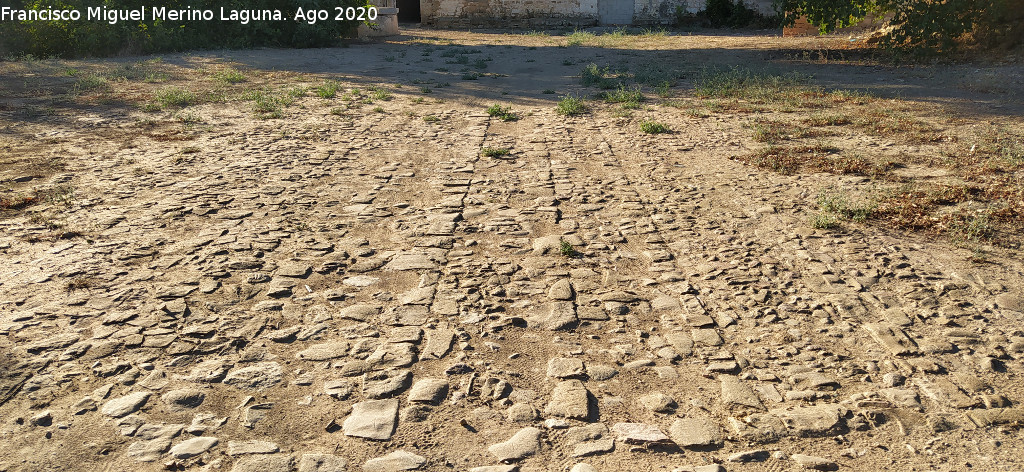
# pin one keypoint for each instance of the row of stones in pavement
(263, 375)
(718, 341)
(941, 390)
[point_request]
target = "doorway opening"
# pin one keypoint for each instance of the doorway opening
(409, 11)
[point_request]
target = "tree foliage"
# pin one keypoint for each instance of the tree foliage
(98, 38)
(919, 25)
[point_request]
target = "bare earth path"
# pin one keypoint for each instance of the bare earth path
(354, 280)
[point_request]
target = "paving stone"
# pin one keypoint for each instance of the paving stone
(386, 384)
(330, 264)
(322, 463)
(893, 339)
(431, 391)
(403, 262)
(639, 433)
(359, 312)
(418, 296)
(813, 462)
(148, 451)
(263, 463)
(523, 444)
(593, 447)
(125, 405)
(736, 394)
(324, 351)
(372, 419)
(257, 377)
(204, 422)
(562, 367)
(237, 448)
(811, 420)
(707, 337)
(561, 315)
(698, 431)
(193, 447)
(158, 431)
(395, 462)
(569, 399)
(945, 393)
(439, 343)
(338, 389)
(658, 402)
(495, 468)
(700, 468)
(183, 399)
(522, 413)
(756, 455)
(996, 416)
(600, 372)
(561, 290)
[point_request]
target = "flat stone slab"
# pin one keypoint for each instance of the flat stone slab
(238, 448)
(183, 399)
(811, 420)
(322, 463)
(639, 433)
(411, 262)
(658, 402)
(439, 342)
(324, 351)
(372, 419)
(813, 462)
(256, 377)
(523, 444)
(263, 463)
(696, 432)
(395, 462)
(894, 339)
(563, 367)
(360, 312)
(148, 451)
(569, 399)
(125, 405)
(429, 391)
(193, 447)
(737, 394)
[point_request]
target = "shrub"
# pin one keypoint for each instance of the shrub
(495, 152)
(504, 113)
(732, 14)
(571, 106)
(921, 27)
(98, 38)
(653, 127)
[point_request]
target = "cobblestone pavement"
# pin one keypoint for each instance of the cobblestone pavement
(318, 294)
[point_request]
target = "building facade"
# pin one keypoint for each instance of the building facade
(551, 13)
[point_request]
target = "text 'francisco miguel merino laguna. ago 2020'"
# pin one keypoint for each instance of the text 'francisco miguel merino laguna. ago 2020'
(112, 16)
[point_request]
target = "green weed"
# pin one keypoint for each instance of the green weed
(653, 127)
(571, 105)
(504, 113)
(495, 152)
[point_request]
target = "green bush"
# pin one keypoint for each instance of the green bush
(732, 14)
(571, 105)
(921, 27)
(653, 127)
(99, 38)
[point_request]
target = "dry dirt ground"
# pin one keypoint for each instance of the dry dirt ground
(277, 260)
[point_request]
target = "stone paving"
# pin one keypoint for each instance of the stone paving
(379, 297)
